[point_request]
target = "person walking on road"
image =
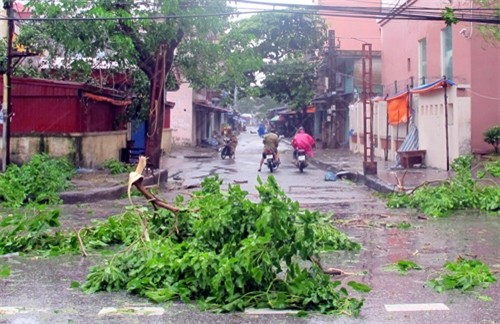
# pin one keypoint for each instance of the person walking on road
(261, 130)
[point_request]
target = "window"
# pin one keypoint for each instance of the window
(422, 61)
(446, 53)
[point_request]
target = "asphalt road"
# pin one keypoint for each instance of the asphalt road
(38, 289)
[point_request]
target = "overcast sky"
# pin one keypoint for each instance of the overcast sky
(255, 6)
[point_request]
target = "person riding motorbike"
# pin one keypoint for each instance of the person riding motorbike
(233, 140)
(271, 141)
(303, 141)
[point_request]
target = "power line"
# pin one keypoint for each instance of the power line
(487, 16)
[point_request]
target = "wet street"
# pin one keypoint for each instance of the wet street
(38, 289)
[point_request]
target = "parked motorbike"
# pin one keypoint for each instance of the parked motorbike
(271, 161)
(226, 151)
(301, 160)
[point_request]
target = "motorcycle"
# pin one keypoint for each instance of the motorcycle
(226, 149)
(271, 161)
(301, 160)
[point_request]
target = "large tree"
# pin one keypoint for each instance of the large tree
(137, 37)
(280, 51)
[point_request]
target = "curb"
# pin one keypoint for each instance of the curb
(110, 193)
(371, 181)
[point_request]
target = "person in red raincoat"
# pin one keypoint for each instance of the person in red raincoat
(303, 141)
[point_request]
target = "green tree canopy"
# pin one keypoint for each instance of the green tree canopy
(276, 47)
(257, 105)
(121, 35)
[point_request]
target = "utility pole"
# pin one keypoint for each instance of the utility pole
(6, 105)
(369, 163)
(331, 88)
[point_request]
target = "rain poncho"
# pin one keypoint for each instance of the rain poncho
(303, 141)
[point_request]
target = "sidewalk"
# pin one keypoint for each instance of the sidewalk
(387, 178)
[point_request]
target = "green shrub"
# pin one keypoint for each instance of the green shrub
(116, 167)
(35, 182)
(459, 192)
(492, 136)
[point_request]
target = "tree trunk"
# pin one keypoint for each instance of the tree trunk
(156, 110)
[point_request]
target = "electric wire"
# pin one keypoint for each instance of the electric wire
(481, 15)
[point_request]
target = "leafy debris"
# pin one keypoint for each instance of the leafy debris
(219, 248)
(460, 192)
(463, 275)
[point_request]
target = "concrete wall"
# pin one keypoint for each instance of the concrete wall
(84, 150)
(166, 140)
(182, 116)
(432, 129)
(430, 121)
(383, 136)
(99, 147)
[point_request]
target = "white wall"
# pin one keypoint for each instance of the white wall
(181, 116)
(430, 121)
(431, 117)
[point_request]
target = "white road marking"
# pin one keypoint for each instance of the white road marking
(141, 311)
(11, 310)
(416, 307)
(267, 311)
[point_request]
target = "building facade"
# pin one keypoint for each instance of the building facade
(450, 120)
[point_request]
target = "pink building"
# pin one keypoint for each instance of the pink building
(415, 52)
(450, 121)
(352, 32)
(340, 77)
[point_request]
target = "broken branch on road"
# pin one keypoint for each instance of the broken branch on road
(135, 178)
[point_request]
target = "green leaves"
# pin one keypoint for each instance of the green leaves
(403, 266)
(230, 254)
(116, 167)
(492, 136)
(359, 286)
(463, 275)
(449, 16)
(36, 182)
(4, 271)
(459, 192)
(32, 232)
(222, 249)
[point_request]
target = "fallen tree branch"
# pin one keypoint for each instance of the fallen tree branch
(80, 243)
(425, 183)
(135, 178)
(400, 183)
(155, 201)
(187, 193)
(330, 271)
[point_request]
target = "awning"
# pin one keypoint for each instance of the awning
(203, 104)
(438, 84)
(107, 99)
(277, 118)
(311, 110)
